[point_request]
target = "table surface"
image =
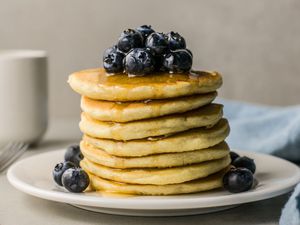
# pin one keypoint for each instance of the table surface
(17, 208)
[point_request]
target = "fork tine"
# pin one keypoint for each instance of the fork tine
(5, 147)
(15, 152)
(7, 151)
(21, 148)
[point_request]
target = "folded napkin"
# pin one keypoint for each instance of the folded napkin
(271, 130)
(291, 211)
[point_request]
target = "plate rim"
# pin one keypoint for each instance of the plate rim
(150, 204)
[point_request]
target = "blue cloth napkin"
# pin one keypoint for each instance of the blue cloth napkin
(291, 211)
(271, 130)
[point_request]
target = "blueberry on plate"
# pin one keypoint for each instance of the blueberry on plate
(145, 31)
(157, 42)
(238, 180)
(178, 61)
(176, 41)
(113, 60)
(59, 169)
(233, 156)
(139, 61)
(130, 39)
(73, 154)
(245, 162)
(75, 180)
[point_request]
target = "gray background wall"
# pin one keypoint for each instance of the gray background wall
(255, 44)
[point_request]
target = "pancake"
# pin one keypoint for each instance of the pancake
(204, 116)
(194, 139)
(96, 84)
(173, 175)
(204, 184)
(99, 156)
(129, 111)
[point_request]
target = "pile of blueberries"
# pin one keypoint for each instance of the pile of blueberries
(240, 176)
(143, 51)
(69, 174)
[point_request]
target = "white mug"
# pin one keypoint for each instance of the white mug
(23, 95)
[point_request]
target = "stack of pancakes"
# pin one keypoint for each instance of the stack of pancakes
(158, 134)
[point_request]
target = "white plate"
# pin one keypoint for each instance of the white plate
(33, 175)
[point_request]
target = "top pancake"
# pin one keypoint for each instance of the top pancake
(96, 84)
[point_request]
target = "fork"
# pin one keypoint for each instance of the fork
(10, 152)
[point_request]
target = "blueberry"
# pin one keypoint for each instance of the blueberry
(233, 156)
(110, 50)
(73, 154)
(75, 180)
(159, 60)
(238, 180)
(157, 42)
(139, 61)
(130, 39)
(145, 31)
(59, 169)
(176, 41)
(178, 61)
(245, 162)
(189, 51)
(113, 60)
